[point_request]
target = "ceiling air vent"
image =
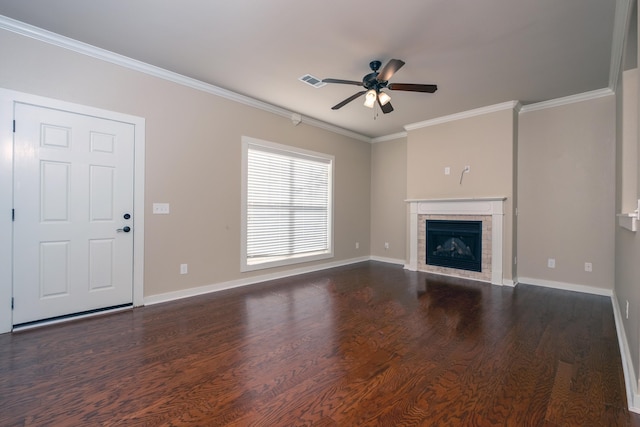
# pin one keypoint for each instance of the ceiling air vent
(313, 81)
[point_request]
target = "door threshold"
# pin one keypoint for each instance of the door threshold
(69, 317)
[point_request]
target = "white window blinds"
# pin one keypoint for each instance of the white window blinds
(288, 204)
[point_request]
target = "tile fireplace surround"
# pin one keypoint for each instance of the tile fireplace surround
(489, 210)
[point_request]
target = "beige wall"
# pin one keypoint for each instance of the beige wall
(193, 156)
(486, 143)
(566, 207)
(388, 193)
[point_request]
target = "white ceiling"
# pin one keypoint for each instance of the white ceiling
(479, 53)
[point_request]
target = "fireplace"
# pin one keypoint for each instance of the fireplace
(454, 244)
(489, 211)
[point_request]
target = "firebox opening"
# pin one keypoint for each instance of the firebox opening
(454, 244)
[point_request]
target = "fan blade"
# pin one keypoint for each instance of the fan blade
(348, 100)
(344, 82)
(386, 108)
(413, 87)
(389, 69)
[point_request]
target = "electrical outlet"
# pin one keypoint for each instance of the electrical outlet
(447, 170)
(183, 269)
(386, 245)
(357, 245)
(551, 263)
(588, 267)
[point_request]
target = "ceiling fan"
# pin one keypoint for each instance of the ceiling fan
(376, 81)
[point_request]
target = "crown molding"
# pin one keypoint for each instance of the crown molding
(335, 129)
(623, 10)
(515, 105)
(510, 105)
(58, 40)
(390, 137)
(585, 96)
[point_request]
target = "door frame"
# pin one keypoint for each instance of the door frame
(7, 100)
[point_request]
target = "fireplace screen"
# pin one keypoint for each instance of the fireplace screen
(454, 244)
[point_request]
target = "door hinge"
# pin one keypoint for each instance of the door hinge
(11, 303)
(14, 126)
(13, 214)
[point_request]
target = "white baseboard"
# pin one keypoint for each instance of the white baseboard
(200, 290)
(631, 385)
(387, 260)
(566, 286)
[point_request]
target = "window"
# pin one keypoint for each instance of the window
(287, 210)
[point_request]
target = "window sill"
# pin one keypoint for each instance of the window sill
(273, 262)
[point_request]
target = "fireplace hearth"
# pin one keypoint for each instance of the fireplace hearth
(454, 244)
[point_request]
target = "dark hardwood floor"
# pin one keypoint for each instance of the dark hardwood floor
(363, 345)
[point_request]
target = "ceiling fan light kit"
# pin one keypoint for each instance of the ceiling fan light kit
(370, 98)
(375, 81)
(384, 98)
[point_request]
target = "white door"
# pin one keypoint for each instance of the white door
(73, 213)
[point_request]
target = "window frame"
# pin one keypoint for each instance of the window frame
(295, 152)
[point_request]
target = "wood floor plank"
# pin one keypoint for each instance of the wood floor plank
(368, 344)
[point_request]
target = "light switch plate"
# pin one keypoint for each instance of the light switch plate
(161, 208)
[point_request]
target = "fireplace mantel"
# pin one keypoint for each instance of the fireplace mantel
(492, 206)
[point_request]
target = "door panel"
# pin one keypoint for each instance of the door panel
(54, 274)
(101, 263)
(73, 182)
(54, 186)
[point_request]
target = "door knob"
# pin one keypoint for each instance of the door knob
(126, 229)
(126, 216)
